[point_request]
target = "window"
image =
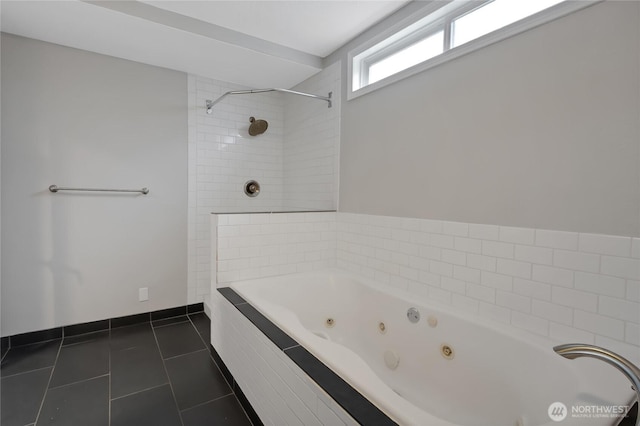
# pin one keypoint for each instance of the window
(409, 56)
(444, 31)
(493, 16)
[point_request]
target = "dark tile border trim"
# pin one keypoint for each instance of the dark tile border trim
(352, 401)
(195, 308)
(130, 320)
(4, 346)
(94, 326)
(88, 327)
(168, 313)
(242, 399)
(35, 337)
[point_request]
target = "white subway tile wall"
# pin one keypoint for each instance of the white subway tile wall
(279, 391)
(222, 157)
(564, 285)
(584, 297)
(257, 245)
(303, 148)
(312, 144)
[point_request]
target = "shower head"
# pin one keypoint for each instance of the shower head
(257, 127)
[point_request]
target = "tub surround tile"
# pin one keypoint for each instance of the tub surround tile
(244, 402)
(352, 401)
(621, 267)
(589, 283)
(632, 334)
(361, 409)
(600, 284)
(231, 295)
(517, 235)
(218, 141)
(484, 232)
(633, 290)
(533, 289)
(22, 395)
(635, 248)
(553, 275)
(532, 254)
(605, 244)
(574, 299)
(277, 336)
(620, 309)
(498, 249)
(599, 324)
(576, 261)
(557, 239)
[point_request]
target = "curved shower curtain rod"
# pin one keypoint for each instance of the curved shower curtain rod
(210, 103)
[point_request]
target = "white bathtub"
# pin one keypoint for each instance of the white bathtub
(496, 376)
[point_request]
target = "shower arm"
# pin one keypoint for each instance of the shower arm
(210, 104)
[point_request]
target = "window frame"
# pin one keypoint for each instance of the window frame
(435, 16)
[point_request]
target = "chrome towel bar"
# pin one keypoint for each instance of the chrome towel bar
(56, 188)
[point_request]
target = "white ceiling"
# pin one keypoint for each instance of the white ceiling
(253, 43)
(312, 26)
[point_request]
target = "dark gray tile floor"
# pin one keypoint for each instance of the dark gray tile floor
(156, 374)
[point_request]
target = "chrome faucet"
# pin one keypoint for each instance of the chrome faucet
(578, 350)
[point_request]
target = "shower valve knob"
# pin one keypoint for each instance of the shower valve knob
(252, 188)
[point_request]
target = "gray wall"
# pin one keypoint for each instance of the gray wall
(75, 118)
(541, 130)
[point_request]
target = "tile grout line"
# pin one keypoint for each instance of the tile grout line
(26, 372)
(184, 354)
(140, 391)
(6, 353)
(168, 325)
(110, 378)
(231, 385)
(211, 357)
(80, 381)
(49, 381)
(207, 402)
(168, 377)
